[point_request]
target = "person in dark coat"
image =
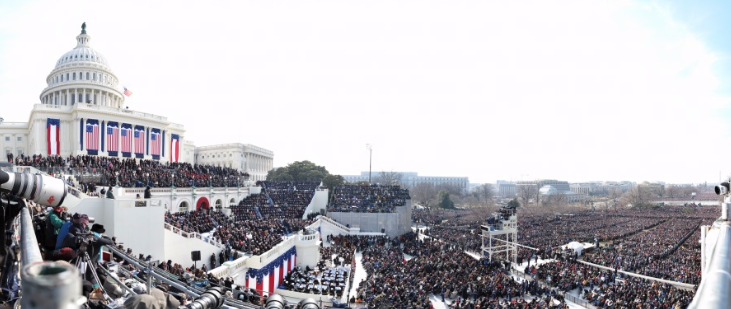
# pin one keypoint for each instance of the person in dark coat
(148, 194)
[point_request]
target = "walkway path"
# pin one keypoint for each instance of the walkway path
(360, 273)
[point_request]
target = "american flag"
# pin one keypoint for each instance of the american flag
(127, 92)
(92, 136)
(139, 141)
(126, 139)
(112, 138)
(155, 143)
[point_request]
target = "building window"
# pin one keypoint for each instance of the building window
(74, 76)
(20, 138)
(87, 73)
(7, 138)
(94, 76)
(20, 152)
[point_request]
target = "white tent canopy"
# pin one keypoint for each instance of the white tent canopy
(577, 246)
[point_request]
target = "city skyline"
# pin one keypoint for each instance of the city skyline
(623, 90)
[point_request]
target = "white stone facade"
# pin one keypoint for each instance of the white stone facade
(254, 160)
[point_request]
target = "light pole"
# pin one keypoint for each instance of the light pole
(370, 161)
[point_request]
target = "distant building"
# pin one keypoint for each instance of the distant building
(547, 189)
(505, 188)
(252, 159)
(411, 179)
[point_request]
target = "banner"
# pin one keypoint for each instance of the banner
(126, 139)
(155, 143)
(139, 139)
(174, 148)
(112, 138)
(92, 136)
(52, 136)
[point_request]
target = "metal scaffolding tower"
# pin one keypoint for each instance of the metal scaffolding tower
(500, 236)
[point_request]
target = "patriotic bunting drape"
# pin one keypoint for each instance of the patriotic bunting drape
(155, 143)
(139, 141)
(174, 148)
(53, 129)
(267, 278)
(112, 138)
(92, 136)
(126, 139)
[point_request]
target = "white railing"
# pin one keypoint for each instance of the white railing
(715, 287)
(347, 229)
(308, 237)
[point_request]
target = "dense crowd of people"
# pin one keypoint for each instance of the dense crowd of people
(368, 198)
(245, 233)
(133, 172)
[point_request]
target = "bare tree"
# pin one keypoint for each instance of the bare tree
(453, 190)
(425, 194)
(673, 191)
(556, 200)
(484, 192)
(389, 178)
(638, 196)
(526, 192)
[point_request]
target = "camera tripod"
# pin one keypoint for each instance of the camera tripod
(83, 261)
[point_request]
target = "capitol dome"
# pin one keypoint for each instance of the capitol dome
(82, 75)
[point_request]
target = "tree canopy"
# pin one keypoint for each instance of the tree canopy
(514, 203)
(305, 171)
(444, 200)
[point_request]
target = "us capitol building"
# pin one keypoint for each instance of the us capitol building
(81, 113)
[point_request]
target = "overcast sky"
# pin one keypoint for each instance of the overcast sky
(570, 90)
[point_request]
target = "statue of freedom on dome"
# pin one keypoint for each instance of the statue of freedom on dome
(83, 28)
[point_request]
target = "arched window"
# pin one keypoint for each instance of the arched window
(183, 207)
(87, 74)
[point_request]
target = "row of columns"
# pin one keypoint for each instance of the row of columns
(71, 96)
(258, 164)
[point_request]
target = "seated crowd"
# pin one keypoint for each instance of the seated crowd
(242, 233)
(368, 198)
(135, 172)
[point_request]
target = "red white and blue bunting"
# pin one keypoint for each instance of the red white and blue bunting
(267, 278)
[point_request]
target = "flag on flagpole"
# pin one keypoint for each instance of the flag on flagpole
(127, 92)
(52, 136)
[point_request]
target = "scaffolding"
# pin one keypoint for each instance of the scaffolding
(500, 236)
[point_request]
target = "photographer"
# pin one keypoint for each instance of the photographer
(79, 233)
(53, 226)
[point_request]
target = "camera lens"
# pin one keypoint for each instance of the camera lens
(722, 189)
(42, 189)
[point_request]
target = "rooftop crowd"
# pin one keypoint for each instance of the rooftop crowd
(368, 198)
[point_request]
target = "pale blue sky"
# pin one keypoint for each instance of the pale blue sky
(572, 90)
